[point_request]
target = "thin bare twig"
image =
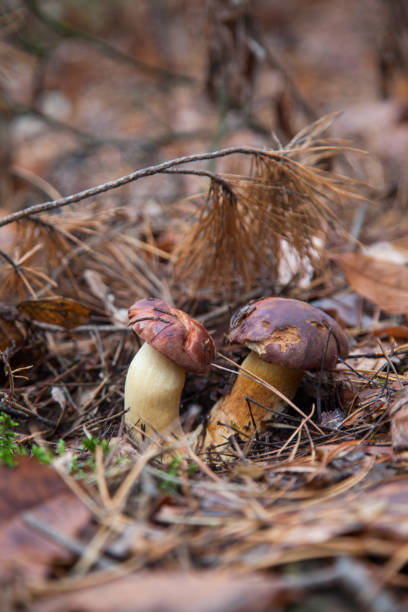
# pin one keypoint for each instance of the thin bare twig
(72, 545)
(134, 176)
(68, 31)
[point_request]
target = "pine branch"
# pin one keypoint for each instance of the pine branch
(134, 176)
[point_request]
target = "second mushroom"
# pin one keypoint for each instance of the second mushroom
(285, 337)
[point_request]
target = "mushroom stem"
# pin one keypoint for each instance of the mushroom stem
(153, 389)
(235, 410)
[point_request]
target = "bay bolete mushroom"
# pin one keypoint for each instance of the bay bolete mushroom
(175, 343)
(286, 337)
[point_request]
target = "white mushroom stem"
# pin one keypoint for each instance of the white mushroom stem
(153, 389)
(235, 410)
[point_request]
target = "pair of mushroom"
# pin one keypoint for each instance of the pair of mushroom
(285, 338)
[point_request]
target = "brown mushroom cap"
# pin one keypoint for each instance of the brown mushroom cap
(290, 333)
(173, 333)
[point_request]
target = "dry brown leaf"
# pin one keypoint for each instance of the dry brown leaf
(392, 331)
(381, 282)
(38, 489)
(172, 592)
(399, 426)
(64, 312)
(346, 308)
(9, 333)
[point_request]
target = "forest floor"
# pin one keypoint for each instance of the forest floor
(203, 154)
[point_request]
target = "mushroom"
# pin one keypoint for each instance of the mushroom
(175, 343)
(286, 337)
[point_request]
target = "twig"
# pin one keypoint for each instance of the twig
(88, 139)
(101, 479)
(216, 178)
(21, 412)
(134, 176)
(297, 431)
(358, 582)
(11, 262)
(391, 365)
(64, 29)
(74, 546)
(321, 371)
(81, 328)
(125, 488)
(92, 552)
(263, 52)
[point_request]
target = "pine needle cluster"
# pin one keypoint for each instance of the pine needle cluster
(249, 225)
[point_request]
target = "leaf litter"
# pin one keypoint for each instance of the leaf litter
(304, 506)
(300, 492)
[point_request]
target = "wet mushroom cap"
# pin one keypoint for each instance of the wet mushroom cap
(173, 333)
(290, 333)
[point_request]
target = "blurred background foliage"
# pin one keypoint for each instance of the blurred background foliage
(90, 91)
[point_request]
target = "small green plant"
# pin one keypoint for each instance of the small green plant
(75, 467)
(61, 447)
(44, 455)
(78, 465)
(10, 449)
(41, 454)
(8, 445)
(90, 444)
(192, 469)
(167, 482)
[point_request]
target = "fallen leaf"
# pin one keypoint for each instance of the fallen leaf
(393, 331)
(59, 311)
(38, 489)
(399, 425)
(381, 282)
(171, 592)
(9, 334)
(346, 308)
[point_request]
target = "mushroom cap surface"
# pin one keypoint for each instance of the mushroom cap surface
(173, 333)
(290, 333)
